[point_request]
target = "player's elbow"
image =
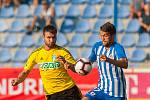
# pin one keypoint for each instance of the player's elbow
(125, 65)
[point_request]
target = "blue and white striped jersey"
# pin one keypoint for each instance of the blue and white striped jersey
(112, 80)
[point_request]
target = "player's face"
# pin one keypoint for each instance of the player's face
(106, 38)
(49, 39)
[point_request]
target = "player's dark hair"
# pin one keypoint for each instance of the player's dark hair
(108, 27)
(49, 28)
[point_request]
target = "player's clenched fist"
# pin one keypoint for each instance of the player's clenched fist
(61, 59)
(103, 58)
(14, 82)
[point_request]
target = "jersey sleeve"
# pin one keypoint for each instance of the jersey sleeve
(120, 52)
(30, 61)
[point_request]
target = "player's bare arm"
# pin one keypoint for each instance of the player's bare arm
(21, 77)
(122, 62)
(67, 65)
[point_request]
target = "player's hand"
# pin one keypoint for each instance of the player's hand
(103, 58)
(61, 59)
(14, 82)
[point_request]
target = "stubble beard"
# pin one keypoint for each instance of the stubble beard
(52, 45)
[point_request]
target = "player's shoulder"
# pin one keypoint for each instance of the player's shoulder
(37, 50)
(62, 48)
(97, 44)
(117, 45)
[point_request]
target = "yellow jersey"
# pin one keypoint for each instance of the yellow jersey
(53, 74)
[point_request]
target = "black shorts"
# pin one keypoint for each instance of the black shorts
(69, 94)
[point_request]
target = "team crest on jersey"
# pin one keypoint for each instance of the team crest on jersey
(92, 93)
(53, 58)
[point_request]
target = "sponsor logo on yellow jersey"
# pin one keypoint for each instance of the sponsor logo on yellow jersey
(49, 65)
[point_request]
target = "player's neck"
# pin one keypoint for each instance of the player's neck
(47, 48)
(108, 46)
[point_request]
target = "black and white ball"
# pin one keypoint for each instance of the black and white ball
(83, 66)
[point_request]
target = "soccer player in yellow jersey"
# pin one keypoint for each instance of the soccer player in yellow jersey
(53, 61)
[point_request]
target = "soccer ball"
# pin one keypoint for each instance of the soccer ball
(83, 66)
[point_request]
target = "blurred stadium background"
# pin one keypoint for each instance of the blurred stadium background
(78, 23)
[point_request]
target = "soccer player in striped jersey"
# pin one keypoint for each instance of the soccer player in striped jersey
(111, 59)
(53, 61)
